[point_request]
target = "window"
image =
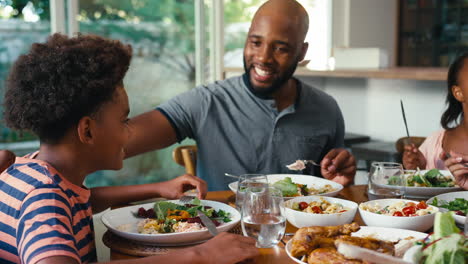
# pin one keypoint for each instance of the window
(21, 24)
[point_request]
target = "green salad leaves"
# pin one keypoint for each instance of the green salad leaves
(447, 245)
(286, 186)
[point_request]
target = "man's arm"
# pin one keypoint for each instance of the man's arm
(149, 131)
(105, 197)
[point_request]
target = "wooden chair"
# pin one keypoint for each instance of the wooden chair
(401, 142)
(186, 156)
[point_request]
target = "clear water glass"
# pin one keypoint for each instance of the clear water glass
(386, 180)
(246, 181)
(262, 216)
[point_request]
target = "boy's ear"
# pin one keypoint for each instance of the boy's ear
(85, 130)
(458, 93)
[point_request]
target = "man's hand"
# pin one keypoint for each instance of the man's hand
(339, 166)
(413, 158)
(7, 158)
(227, 248)
(457, 165)
(176, 188)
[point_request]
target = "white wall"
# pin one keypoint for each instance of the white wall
(372, 106)
(365, 23)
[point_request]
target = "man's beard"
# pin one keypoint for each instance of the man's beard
(275, 86)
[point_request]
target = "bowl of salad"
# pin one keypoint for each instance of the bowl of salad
(456, 202)
(295, 185)
(447, 244)
(426, 183)
(319, 211)
(169, 223)
(398, 213)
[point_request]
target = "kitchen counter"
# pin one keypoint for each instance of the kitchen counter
(407, 73)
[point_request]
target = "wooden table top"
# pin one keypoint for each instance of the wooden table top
(356, 193)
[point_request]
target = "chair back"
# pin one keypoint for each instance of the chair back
(401, 142)
(186, 156)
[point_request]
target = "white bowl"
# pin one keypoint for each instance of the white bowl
(309, 180)
(450, 197)
(417, 223)
(302, 219)
(123, 223)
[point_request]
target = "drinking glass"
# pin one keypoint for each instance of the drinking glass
(386, 180)
(262, 215)
(246, 181)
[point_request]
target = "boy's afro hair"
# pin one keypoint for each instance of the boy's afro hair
(58, 82)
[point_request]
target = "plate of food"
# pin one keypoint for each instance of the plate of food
(294, 185)
(169, 223)
(453, 201)
(320, 244)
(426, 183)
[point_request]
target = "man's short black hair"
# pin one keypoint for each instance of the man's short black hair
(58, 82)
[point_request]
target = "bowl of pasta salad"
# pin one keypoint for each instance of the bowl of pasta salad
(398, 213)
(319, 211)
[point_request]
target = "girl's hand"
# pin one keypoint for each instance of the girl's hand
(413, 158)
(176, 188)
(458, 166)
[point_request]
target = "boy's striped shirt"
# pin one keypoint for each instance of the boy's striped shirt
(42, 214)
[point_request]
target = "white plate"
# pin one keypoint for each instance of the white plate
(310, 181)
(450, 197)
(122, 222)
(382, 233)
(426, 192)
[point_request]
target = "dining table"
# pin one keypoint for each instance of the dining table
(277, 254)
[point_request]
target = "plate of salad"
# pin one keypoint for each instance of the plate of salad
(456, 202)
(169, 223)
(427, 183)
(447, 244)
(294, 185)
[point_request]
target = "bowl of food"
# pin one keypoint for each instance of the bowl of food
(398, 213)
(319, 211)
(294, 185)
(456, 202)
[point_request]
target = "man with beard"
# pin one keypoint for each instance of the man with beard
(258, 122)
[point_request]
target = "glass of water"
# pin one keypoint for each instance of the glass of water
(386, 180)
(262, 215)
(246, 181)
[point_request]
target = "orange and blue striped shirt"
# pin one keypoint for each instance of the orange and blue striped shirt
(42, 214)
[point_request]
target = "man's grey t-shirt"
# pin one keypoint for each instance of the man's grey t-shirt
(237, 132)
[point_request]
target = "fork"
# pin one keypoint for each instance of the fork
(186, 199)
(312, 162)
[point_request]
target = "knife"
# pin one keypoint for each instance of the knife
(351, 251)
(404, 118)
(208, 223)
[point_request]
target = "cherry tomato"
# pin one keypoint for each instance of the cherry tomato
(409, 210)
(397, 213)
(317, 210)
(303, 205)
(421, 205)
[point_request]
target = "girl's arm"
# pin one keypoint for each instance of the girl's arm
(105, 197)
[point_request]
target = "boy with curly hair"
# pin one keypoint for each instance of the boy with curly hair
(70, 93)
